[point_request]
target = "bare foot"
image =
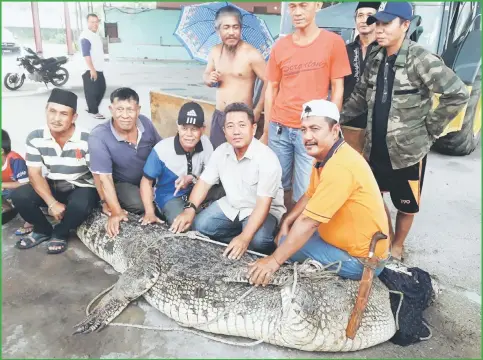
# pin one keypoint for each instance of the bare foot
(24, 230)
(56, 246)
(397, 252)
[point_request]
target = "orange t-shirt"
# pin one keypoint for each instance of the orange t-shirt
(304, 73)
(345, 199)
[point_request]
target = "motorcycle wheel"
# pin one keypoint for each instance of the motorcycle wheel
(15, 79)
(60, 77)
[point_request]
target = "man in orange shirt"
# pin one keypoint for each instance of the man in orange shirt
(341, 211)
(302, 67)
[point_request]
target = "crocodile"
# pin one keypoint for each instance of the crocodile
(185, 276)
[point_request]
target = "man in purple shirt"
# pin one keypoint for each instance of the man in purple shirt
(119, 149)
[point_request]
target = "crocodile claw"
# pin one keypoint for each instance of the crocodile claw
(80, 330)
(96, 321)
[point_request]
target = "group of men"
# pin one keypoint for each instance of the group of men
(236, 188)
(382, 84)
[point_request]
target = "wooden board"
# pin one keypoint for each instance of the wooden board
(354, 137)
(165, 108)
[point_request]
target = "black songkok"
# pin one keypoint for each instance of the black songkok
(363, 4)
(64, 97)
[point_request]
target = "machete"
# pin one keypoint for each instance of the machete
(370, 264)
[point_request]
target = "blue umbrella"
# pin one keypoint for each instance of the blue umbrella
(196, 30)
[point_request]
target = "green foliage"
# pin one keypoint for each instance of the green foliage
(52, 36)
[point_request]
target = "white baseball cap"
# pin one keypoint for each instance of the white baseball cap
(320, 108)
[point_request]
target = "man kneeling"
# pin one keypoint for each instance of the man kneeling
(251, 175)
(175, 164)
(343, 202)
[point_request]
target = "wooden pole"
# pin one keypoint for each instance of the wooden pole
(77, 19)
(81, 16)
(68, 29)
(36, 23)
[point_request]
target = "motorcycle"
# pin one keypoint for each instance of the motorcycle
(38, 69)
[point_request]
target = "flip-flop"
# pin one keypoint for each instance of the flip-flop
(31, 240)
(98, 116)
(23, 230)
(56, 242)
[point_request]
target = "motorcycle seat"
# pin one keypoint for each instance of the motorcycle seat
(54, 59)
(49, 60)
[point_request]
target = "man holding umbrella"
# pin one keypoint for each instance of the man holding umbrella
(233, 67)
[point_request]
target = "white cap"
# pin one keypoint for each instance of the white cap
(320, 108)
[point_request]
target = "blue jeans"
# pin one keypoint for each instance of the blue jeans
(296, 163)
(317, 249)
(212, 222)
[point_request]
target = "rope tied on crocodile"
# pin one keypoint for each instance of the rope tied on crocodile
(305, 306)
(308, 269)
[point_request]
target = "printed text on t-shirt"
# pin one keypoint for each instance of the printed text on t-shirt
(295, 69)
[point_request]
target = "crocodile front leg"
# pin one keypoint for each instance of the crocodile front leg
(133, 283)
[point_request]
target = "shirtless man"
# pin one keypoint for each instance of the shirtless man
(233, 67)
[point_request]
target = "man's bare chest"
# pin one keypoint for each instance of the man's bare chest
(236, 69)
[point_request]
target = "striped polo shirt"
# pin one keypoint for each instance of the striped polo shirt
(70, 164)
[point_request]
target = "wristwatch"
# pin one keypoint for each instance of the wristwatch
(189, 204)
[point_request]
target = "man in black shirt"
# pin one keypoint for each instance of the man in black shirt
(358, 51)
(379, 158)
(396, 89)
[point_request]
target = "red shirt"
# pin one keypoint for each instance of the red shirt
(304, 73)
(14, 168)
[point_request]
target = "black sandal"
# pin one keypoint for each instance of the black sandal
(56, 242)
(31, 240)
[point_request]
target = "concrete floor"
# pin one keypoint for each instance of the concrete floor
(44, 296)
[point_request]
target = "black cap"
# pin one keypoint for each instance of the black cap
(191, 113)
(64, 97)
(391, 10)
(366, 4)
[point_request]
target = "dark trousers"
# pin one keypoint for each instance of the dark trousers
(172, 209)
(94, 91)
(217, 136)
(79, 203)
(129, 197)
(175, 206)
